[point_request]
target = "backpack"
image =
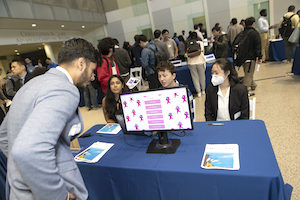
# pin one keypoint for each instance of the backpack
(3, 87)
(286, 27)
(159, 56)
(240, 48)
(192, 45)
(96, 83)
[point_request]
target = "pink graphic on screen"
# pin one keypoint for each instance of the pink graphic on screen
(177, 109)
(180, 125)
(141, 117)
(184, 98)
(175, 95)
(136, 127)
(133, 112)
(168, 100)
(171, 115)
(125, 104)
(131, 99)
(138, 102)
(186, 115)
(128, 119)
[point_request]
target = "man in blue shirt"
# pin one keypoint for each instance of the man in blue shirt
(50, 63)
(148, 60)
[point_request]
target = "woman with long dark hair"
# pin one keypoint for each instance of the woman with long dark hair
(111, 102)
(226, 98)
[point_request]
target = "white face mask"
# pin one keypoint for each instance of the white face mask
(217, 80)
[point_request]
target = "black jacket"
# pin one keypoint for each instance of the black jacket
(238, 101)
(255, 44)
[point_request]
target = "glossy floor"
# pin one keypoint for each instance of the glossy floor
(278, 105)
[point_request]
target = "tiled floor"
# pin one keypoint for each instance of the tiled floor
(278, 105)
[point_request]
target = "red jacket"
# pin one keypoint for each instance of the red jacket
(104, 71)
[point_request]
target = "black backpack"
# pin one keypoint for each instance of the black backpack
(192, 45)
(240, 48)
(286, 27)
(96, 83)
(9, 78)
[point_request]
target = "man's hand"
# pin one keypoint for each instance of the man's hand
(212, 40)
(70, 196)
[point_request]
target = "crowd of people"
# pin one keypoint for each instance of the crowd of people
(44, 111)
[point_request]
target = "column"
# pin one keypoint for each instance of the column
(49, 52)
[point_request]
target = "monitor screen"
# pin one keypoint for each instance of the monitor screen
(157, 110)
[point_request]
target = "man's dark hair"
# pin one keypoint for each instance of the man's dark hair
(142, 38)
(166, 65)
(76, 48)
(249, 21)
(262, 12)
(20, 61)
(291, 8)
(234, 21)
(105, 44)
(216, 28)
(200, 25)
(183, 31)
(48, 59)
(193, 35)
(196, 26)
(164, 31)
(157, 33)
(116, 41)
(136, 37)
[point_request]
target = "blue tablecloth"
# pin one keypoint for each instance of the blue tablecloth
(296, 63)
(277, 51)
(183, 75)
(127, 172)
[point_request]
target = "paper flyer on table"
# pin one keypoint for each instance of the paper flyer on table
(93, 153)
(110, 129)
(221, 156)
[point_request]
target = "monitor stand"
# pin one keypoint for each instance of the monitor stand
(163, 144)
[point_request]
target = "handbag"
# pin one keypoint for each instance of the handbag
(294, 38)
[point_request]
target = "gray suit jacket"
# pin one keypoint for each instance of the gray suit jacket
(35, 138)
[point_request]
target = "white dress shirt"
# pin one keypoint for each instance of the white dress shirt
(223, 106)
(262, 25)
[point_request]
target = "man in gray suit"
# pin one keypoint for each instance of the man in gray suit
(35, 135)
(159, 43)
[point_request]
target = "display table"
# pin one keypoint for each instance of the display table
(127, 172)
(296, 62)
(277, 50)
(183, 75)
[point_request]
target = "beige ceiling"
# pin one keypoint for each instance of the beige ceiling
(25, 24)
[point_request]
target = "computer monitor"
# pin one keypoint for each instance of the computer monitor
(160, 110)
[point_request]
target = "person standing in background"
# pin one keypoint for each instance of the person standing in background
(263, 30)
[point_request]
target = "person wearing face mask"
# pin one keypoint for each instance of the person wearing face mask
(111, 103)
(226, 98)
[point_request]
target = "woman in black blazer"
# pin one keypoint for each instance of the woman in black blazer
(226, 98)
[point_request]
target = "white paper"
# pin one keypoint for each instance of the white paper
(8, 103)
(258, 66)
(111, 128)
(237, 115)
(221, 156)
(93, 153)
(132, 82)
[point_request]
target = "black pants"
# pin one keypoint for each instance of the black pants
(153, 81)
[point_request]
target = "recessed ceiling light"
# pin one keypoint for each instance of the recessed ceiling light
(18, 54)
(16, 50)
(33, 25)
(82, 26)
(62, 26)
(40, 47)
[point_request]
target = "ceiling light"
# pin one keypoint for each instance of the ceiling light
(16, 50)
(82, 26)
(40, 47)
(18, 54)
(33, 25)
(62, 26)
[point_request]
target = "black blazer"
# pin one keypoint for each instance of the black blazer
(238, 101)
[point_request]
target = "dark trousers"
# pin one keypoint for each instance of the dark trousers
(153, 81)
